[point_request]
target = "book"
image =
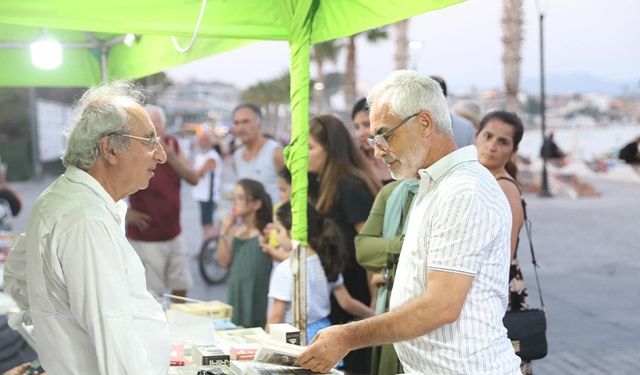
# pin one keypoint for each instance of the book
(257, 368)
(273, 357)
(243, 352)
(211, 309)
(194, 370)
(177, 355)
(278, 353)
(209, 355)
(284, 332)
(241, 336)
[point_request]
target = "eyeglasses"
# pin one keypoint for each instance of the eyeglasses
(153, 142)
(381, 140)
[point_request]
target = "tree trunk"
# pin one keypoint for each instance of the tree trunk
(512, 19)
(401, 55)
(319, 94)
(350, 73)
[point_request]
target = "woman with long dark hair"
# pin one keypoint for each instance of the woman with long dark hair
(346, 193)
(499, 135)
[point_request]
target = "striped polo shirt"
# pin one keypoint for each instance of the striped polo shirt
(461, 222)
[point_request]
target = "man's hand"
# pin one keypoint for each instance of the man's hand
(326, 350)
(137, 218)
(378, 280)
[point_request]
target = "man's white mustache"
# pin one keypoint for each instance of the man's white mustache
(388, 159)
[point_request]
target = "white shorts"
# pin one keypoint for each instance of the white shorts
(165, 264)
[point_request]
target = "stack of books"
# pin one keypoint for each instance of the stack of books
(273, 357)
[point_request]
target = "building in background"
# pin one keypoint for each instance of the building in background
(198, 102)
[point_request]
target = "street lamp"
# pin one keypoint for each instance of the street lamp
(544, 185)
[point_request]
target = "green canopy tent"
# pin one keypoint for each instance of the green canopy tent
(93, 57)
(92, 29)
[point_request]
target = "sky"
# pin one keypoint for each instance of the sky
(462, 43)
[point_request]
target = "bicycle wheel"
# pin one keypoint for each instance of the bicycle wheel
(211, 271)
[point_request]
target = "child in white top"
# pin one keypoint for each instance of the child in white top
(325, 261)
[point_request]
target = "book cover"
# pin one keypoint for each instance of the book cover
(177, 355)
(208, 355)
(284, 332)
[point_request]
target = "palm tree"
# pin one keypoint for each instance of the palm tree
(269, 95)
(512, 19)
(325, 51)
(401, 55)
(372, 36)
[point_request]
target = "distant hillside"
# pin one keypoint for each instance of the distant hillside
(573, 83)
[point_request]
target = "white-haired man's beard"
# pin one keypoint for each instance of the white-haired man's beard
(406, 163)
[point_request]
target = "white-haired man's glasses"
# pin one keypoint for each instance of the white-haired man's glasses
(381, 140)
(153, 142)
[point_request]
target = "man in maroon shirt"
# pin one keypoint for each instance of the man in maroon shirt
(153, 218)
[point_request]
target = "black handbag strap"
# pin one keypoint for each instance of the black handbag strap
(527, 226)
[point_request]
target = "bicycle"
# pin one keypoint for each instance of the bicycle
(210, 270)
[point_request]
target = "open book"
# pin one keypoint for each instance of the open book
(278, 353)
(274, 357)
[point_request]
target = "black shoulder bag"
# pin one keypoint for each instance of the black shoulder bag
(527, 328)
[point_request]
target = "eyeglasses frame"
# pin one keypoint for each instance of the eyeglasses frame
(153, 142)
(382, 140)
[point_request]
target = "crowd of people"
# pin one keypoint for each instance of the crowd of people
(422, 268)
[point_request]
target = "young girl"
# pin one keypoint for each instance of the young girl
(239, 248)
(325, 262)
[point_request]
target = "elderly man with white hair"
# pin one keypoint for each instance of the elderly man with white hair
(450, 289)
(74, 274)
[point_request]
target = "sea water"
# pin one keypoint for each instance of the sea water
(582, 143)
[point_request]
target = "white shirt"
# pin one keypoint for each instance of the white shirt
(261, 168)
(461, 222)
(204, 189)
(319, 289)
(85, 287)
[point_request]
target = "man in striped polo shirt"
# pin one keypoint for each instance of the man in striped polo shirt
(451, 285)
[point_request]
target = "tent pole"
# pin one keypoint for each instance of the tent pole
(104, 64)
(297, 154)
(35, 138)
(301, 13)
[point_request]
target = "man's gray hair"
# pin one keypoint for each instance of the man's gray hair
(100, 111)
(406, 92)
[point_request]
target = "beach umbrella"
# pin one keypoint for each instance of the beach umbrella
(94, 31)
